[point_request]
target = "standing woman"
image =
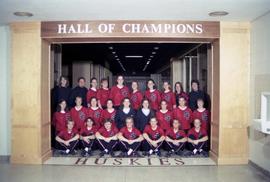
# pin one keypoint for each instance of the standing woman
(109, 112)
(92, 92)
(183, 114)
(202, 114)
(61, 116)
(119, 92)
(143, 115)
(94, 112)
(79, 91)
(78, 114)
(124, 111)
(103, 93)
(168, 96)
(153, 95)
(164, 116)
(61, 91)
(196, 94)
(179, 92)
(136, 96)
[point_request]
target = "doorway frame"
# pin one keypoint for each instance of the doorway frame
(212, 77)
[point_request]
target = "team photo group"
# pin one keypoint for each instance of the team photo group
(126, 119)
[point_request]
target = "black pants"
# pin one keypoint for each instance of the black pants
(88, 145)
(124, 146)
(176, 148)
(107, 145)
(200, 145)
(147, 146)
(72, 146)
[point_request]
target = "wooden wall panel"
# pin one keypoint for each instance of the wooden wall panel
(234, 93)
(30, 93)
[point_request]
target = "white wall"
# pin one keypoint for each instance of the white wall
(259, 144)
(5, 141)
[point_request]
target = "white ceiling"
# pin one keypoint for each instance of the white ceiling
(240, 10)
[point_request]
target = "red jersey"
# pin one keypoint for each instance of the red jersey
(67, 135)
(108, 115)
(91, 93)
(164, 119)
(175, 135)
(60, 120)
(103, 95)
(203, 116)
(79, 116)
(118, 94)
(169, 97)
(105, 133)
(184, 117)
(197, 135)
(136, 99)
(85, 131)
(153, 134)
(130, 135)
(154, 98)
(96, 116)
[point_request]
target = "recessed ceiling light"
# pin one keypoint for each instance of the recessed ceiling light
(116, 56)
(134, 56)
(117, 59)
(23, 14)
(148, 62)
(156, 48)
(218, 13)
(151, 56)
(149, 59)
(111, 47)
(153, 52)
(113, 52)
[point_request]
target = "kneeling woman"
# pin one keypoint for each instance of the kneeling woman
(154, 137)
(67, 139)
(197, 139)
(107, 138)
(130, 138)
(87, 136)
(175, 139)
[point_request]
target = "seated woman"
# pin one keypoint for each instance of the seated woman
(94, 112)
(87, 136)
(107, 138)
(175, 139)
(154, 137)
(130, 138)
(67, 139)
(197, 139)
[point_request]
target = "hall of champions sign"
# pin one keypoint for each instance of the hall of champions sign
(129, 161)
(185, 29)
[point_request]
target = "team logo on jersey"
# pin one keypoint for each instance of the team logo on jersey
(204, 116)
(113, 116)
(124, 92)
(82, 115)
(153, 97)
(167, 118)
(156, 135)
(97, 114)
(134, 98)
(132, 135)
(178, 136)
(167, 97)
(111, 133)
(186, 115)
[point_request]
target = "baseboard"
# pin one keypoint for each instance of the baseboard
(4, 158)
(259, 168)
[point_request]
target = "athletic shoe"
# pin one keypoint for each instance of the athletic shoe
(169, 154)
(135, 154)
(112, 154)
(205, 154)
(180, 153)
(146, 154)
(158, 153)
(102, 153)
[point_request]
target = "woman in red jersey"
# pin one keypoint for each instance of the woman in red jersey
(153, 95)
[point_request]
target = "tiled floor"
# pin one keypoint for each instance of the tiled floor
(52, 173)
